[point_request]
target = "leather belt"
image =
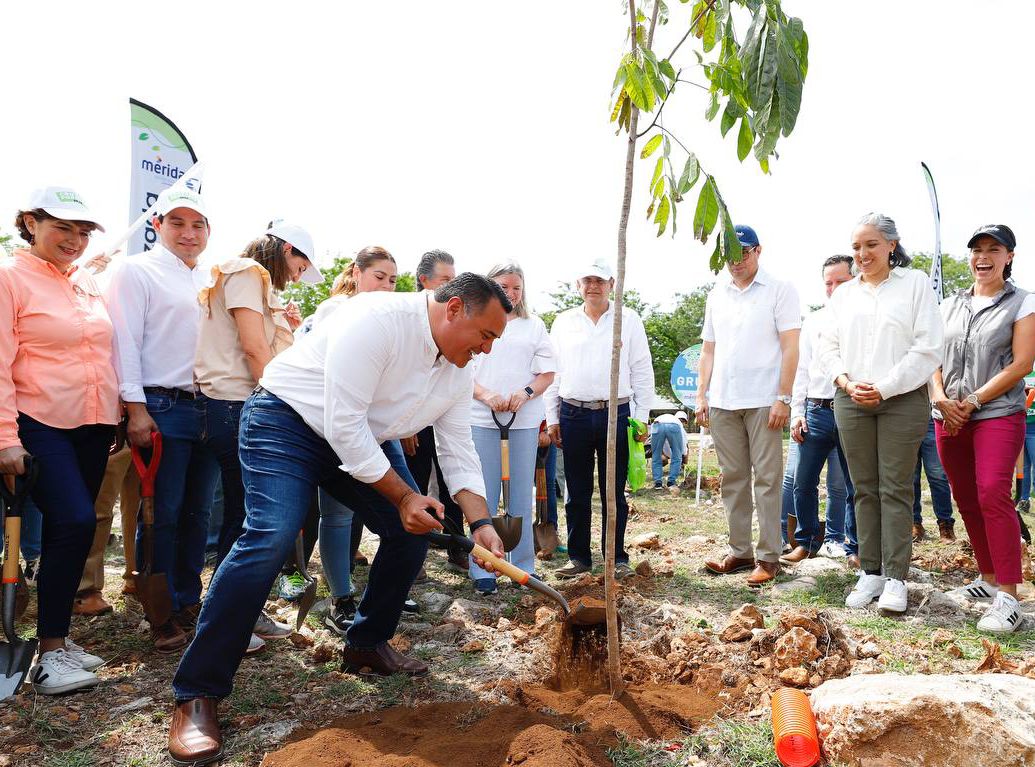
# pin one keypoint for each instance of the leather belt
(827, 403)
(597, 404)
(174, 393)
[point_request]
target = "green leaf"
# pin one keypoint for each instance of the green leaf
(707, 211)
(667, 147)
(650, 146)
(691, 171)
(625, 117)
(661, 217)
(635, 85)
(713, 107)
(732, 251)
(729, 116)
(795, 31)
(623, 98)
(767, 73)
(657, 172)
(751, 51)
(715, 261)
(658, 190)
(620, 76)
(745, 139)
(710, 32)
(667, 69)
(699, 12)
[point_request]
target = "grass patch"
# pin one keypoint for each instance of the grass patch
(828, 592)
(630, 753)
(391, 690)
(76, 758)
(744, 744)
(714, 590)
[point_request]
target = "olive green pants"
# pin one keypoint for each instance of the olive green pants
(880, 445)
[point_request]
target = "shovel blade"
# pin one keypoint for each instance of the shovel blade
(586, 611)
(153, 593)
(15, 661)
(305, 602)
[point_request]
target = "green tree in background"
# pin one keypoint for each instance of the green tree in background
(956, 274)
(566, 296)
(7, 243)
(308, 297)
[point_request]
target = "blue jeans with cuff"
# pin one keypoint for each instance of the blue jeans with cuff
(941, 495)
(820, 444)
(672, 433)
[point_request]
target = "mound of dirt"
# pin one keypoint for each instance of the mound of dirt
(454, 734)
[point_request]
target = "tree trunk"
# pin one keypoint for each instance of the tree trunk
(614, 663)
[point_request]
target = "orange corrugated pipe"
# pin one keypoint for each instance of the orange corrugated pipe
(794, 729)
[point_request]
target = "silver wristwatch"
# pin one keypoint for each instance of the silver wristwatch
(973, 400)
(784, 398)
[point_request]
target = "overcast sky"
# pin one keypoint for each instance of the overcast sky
(482, 127)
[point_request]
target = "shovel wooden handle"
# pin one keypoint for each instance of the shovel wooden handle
(12, 536)
(513, 572)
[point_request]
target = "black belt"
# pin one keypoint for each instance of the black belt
(598, 404)
(827, 403)
(174, 393)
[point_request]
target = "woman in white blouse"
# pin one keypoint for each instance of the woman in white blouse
(881, 346)
(511, 379)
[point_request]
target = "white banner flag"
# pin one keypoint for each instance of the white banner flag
(161, 157)
(936, 257)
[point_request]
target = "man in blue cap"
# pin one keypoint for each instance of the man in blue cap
(748, 361)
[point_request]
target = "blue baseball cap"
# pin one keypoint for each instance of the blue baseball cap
(746, 236)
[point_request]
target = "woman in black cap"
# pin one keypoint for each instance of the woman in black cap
(978, 394)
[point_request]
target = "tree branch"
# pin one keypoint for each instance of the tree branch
(663, 129)
(697, 18)
(662, 107)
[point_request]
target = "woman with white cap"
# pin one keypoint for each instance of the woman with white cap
(59, 403)
(244, 325)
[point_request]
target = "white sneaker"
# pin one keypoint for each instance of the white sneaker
(832, 550)
(1003, 617)
(978, 590)
(86, 660)
(255, 645)
(867, 588)
(59, 671)
(895, 596)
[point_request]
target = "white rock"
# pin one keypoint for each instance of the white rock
(436, 602)
(818, 566)
(133, 705)
(273, 732)
(978, 720)
(467, 611)
(933, 606)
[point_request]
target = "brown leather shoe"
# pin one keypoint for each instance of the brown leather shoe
(730, 564)
(383, 660)
(187, 618)
(945, 532)
(763, 573)
(797, 555)
(194, 737)
(90, 603)
(853, 561)
(129, 588)
(918, 533)
(168, 637)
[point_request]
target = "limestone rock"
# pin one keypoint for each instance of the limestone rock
(735, 632)
(647, 541)
(448, 632)
(475, 645)
(749, 616)
(468, 612)
(795, 648)
(941, 637)
(979, 720)
(644, 569)
(797, 676)
(808, 620)
(819, 566)
(435, 602)
(544, 616)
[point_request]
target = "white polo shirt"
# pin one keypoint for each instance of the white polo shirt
(745, 326)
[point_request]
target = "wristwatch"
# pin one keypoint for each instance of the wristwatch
(530, 392)
(480, 523)
(973, 400)
(784, 398)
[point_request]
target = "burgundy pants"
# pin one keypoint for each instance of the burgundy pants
(979, 462)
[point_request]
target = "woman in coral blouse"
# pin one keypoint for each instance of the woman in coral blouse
(59, 403)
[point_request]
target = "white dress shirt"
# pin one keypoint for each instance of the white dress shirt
(811, 379)
(583, 352)
(519, 355)
(375, 374)
(745, 326)
(889, 335)
(153, 302)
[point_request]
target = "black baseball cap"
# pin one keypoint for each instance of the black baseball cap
(1001, 233)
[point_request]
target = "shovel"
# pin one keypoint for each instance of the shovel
(16, 654)
(513, 572)
(543, 531)
(152, 588)
(309, 595)
(508, 527)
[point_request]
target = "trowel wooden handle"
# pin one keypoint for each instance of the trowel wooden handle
(12, 536)
(513, 572)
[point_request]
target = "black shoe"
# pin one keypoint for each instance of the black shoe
(341, 615)
(409, 606)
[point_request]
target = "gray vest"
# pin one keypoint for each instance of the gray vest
(980, 345)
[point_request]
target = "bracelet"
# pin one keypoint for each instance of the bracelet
(479, 523)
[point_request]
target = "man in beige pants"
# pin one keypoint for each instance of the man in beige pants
(121, 483)
(748, 361)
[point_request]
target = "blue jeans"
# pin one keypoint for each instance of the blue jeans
(32, 531)
(551, 484)
(820, 447)
(71, 468)
(184, 487)
(790, 468)
(283, 462)
(523, 446)
(1029, 454)
(941, 495)
(584, 445)
(221, 426)
(672, 433)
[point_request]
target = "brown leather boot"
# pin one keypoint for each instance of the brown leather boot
(169, 637)
(763, 573)
(383, 660)
(730, 564)
(194, 737)
(852, 560)
(90, 603)
(797, 555)
(918, 532)
(945, 532)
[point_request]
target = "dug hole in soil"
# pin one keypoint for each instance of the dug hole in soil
(567, 721)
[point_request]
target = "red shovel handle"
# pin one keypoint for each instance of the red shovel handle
(148, 471)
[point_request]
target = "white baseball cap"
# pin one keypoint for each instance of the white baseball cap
(598, 268)
(299, 239)
(172, 198)
(681, 415)
(62, 202)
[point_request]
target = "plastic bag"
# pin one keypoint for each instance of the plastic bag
(637, 476)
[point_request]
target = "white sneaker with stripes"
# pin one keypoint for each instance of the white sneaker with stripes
(978, 590)
(1003, 617)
